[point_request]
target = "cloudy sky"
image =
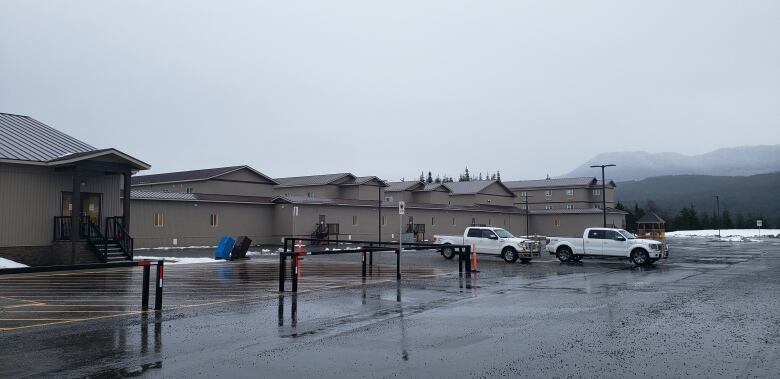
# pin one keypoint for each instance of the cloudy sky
(395, 87)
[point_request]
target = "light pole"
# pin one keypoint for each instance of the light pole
(603, 189)
(527, 213)
(717, 209)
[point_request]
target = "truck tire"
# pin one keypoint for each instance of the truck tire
(640, 257)
(509, 254)
(525, 260)
(564, 254)
(447, 252)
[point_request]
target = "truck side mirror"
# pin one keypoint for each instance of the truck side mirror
(493, 237)
(620, 238)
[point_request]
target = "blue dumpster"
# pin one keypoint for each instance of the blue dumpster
(225, 247)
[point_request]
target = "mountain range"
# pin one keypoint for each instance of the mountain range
(732, 161)
(756, 194)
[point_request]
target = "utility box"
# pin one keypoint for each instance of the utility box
(226, 244)
(240, 248)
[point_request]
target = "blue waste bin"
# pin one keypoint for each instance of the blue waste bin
(225, 247)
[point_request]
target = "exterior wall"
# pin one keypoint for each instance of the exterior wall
(582, 198)
(323, 192)
(357, 192)
(436, 221)
(572, 225)
(463, 199)
(493, 199)
(32, 197)
(431, 197)
(189, 223)
(406, 196)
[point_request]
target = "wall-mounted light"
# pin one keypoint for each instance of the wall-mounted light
(83, 183)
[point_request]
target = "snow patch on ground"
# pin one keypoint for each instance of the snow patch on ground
(259, 253)
(177, 260)
(176, 248)
(727, 235)
(7, 263)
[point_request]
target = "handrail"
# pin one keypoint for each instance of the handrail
(116, 231)
(95, 239)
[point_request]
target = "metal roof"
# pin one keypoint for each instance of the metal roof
(312, 180)
(543, 183)
(27, 139)
(651, 217)
(433, 187)
(576, 211)
(402, 186)
(192, 175)
(394, 204)
(472, 187)
(197, 197)
(362, 180)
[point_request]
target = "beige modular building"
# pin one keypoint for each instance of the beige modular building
(47, 176)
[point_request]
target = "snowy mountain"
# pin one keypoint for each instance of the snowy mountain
(733, 161)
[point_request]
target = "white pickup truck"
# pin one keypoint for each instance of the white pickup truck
(607, 242)
(494, 241)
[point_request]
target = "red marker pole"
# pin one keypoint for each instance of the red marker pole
(474, 255)
(159, 288)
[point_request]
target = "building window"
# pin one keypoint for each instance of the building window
(384, 220)
(490, 222)
(189, 189)
(166, 190)
(548, 193)
(214, 220)
(524, 194)
(354, 220)
(158, 219)
(548, 206)
(453, 221)
(569, 206)
(523, 206)
(556, 222)
(598, 206)
(389, 199)
(310, 194)
(596, 192)
(569, 192)
(433, 220)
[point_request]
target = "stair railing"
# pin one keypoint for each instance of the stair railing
(116, 231)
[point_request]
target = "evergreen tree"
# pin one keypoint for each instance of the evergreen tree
(480, 176)
(706, 223)
(493, 177)
(740, 222)
(725, 220)
(430, 178)
(693, 219)
(498, 175)
(422, 176)
(466, 176)
(438, 179)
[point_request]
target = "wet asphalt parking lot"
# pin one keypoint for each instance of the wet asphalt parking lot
(711, 310)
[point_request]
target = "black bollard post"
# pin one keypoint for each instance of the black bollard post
(364, 264)
(145, 287)
(158, 292)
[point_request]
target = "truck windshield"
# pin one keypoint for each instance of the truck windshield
(626, 234)
(503, 233)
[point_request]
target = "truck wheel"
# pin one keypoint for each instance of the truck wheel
(564, 254)
(576, 258)
(639, 257)
(509, 254)
(447, 252)
(525, 260)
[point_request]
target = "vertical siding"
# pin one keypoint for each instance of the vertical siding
(190, 224)
(30, 198)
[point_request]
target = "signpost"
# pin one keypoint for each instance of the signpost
(759, 223)
(401, 212)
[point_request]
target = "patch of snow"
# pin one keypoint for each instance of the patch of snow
(176, 248)
(727, 235)
(7, 263)
(178, 260)
(259, 253)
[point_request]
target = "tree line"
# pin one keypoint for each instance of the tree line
(688, 218)
(465, 176)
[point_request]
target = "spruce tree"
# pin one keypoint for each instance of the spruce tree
(430, 178)
(740, 222)
(480, 176)
(498, 175)
(725, 220)
(466, 176)
(706, 223)
(422, 176)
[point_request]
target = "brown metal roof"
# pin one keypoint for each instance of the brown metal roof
(543, 183)
(197, 197)
(652, 218)
(394, 204)
(24, 138)
(472, 187)
(313, 180)
(433, 187)
(403, 186)
(576, 211)
(192, 175)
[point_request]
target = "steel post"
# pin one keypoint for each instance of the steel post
(158, 292)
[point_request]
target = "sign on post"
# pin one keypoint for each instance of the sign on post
(401, 207)
(759, 223)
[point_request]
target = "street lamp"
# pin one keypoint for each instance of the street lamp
(603, 189)
(717, 217)
(527, 213)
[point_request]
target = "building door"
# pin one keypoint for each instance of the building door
(90, 205)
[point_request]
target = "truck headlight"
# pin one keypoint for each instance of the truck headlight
(655, 246)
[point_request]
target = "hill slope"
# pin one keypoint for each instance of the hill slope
(734, 161)
(757, 194)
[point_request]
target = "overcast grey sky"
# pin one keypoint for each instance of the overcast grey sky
(394, 87)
